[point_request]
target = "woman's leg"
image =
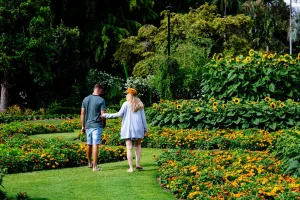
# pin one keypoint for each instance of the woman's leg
(129, 154)
(138, 151)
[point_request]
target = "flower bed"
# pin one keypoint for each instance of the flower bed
(249, 139)
(30, 128)
(20, 154)
(266, 114)
(225, 175)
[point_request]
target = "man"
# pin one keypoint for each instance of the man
(93, 107)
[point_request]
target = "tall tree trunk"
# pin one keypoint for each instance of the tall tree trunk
(4, 94)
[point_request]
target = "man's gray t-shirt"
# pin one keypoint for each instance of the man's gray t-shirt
(93, 105)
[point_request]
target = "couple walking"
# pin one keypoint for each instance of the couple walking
(93, 119)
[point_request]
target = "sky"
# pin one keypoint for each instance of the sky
(293, 3)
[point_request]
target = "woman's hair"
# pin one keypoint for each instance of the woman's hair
(136, 103)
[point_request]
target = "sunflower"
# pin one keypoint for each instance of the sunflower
(251, 52)
(198, 109)
(179, 107)
(212, 99)
(273, 105)
(281, 105)
(215, 108)
(161, 101)
(236, 100)
(175, 103)
(215, 104)
(267, 99)
(237, 59)
(247, 59)
(224, 105)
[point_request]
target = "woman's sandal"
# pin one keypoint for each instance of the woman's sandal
(139, 167)
(90, 166)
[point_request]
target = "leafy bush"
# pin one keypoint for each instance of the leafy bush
(113, 85)
(63, 110)
(287, 149)
(20, 154)
(253, 77)
(146, 91)
(266, 114)
(2, 193)
(225, 175)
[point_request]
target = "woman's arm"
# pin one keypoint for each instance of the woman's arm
(118, 114)
(144, 121)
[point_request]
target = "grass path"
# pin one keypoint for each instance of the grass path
(113, 183)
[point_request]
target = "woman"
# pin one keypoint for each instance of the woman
(134, 127)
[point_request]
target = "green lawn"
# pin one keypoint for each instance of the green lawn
(66, 136)
(113, 183)
(51, 121)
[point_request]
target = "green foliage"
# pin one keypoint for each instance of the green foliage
(287, 149)
(253, 77)
(113, 85)
(168, 79)
(2, 193)
(266, 114)
(204, 22)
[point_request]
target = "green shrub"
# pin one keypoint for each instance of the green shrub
(2, 193)
(64, 110)
(253, 77)
(266, 114)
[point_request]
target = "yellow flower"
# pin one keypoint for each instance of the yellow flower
(281, 105)
(236, 100)
(273, 105)
(237, 59)
(212, 99)
(179, 107)
(251, 52)
(267, 99)
(215, 104)
(215, 108)
(224, 106)
(247, 59)
(162, 101)
(198, 110)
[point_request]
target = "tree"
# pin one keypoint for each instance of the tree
(29, 45)
(270, 22)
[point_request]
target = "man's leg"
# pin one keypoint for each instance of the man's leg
(97, 134)
(89, 147)
(129, 154)
(95, 157)
(89, 155)
(138, 150)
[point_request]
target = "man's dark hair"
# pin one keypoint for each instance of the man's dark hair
(98, 86)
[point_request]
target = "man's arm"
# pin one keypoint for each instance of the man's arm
(103, 119)
(82, 117)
